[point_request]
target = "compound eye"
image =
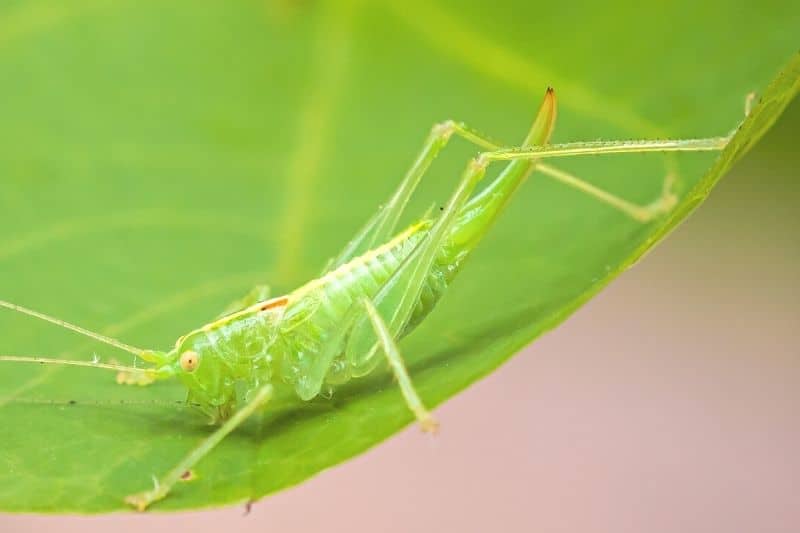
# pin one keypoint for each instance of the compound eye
(189, 360)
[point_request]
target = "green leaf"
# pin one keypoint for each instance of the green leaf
(158, 159)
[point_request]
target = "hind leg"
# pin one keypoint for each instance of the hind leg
(641, 213)
(383, 224)
(396, 298)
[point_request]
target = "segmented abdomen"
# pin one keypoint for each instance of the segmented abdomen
(364, 275)
(317, 309)
(334, 293)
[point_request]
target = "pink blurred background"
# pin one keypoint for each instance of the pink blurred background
(668, 403)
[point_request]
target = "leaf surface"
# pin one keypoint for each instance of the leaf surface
(158, 159)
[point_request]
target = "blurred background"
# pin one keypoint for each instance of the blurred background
(667, 403)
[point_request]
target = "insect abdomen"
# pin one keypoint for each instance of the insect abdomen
(317, 311)
(365, 275)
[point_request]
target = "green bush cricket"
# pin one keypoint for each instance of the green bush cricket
(343, 324)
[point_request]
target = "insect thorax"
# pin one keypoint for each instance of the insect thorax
(235, 357)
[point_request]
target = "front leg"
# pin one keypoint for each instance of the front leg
(162, 485)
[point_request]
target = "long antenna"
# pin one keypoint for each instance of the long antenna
(51, 361)
(73, 327)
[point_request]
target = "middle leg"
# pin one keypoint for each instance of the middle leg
(163, 485)
(395, 360)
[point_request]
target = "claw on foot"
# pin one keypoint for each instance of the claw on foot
(429, 425)
(664, 204)
(661, 206)
(140, 501)
(748, 103)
